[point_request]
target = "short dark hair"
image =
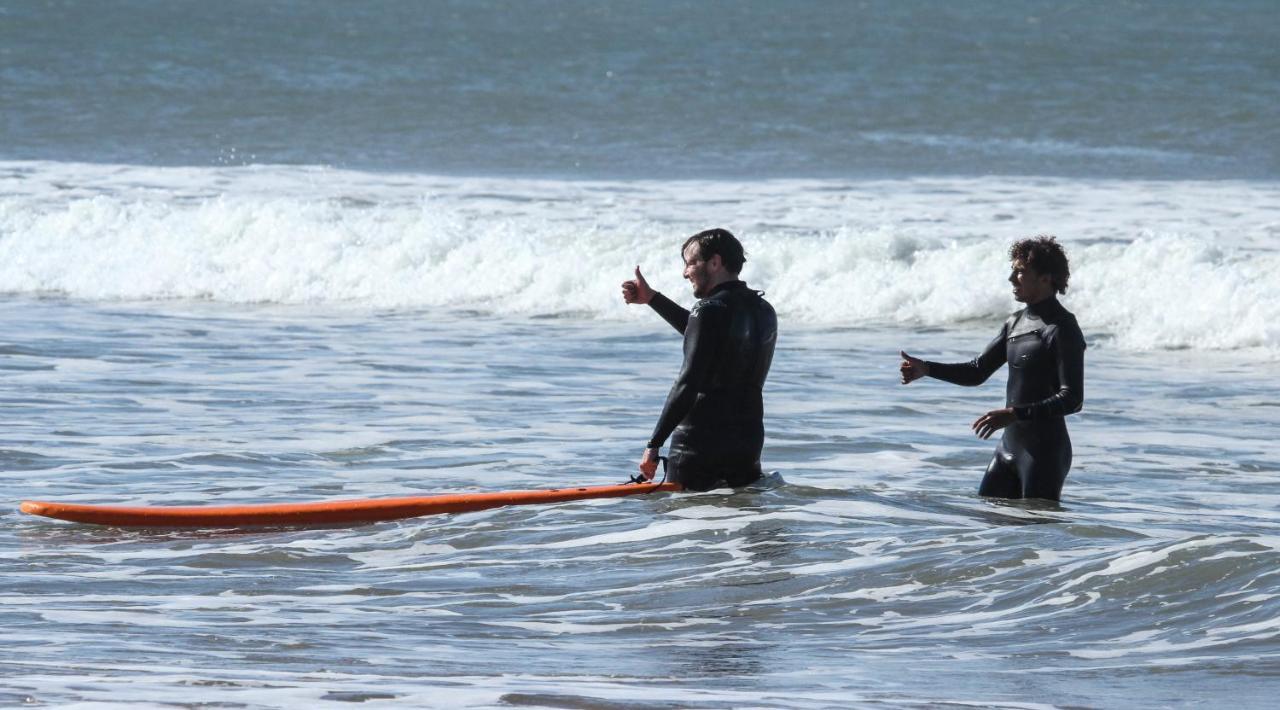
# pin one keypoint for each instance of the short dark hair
(718, 241)
(1044, 254)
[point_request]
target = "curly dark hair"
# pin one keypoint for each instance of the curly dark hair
(1044, 254)
(718, 241)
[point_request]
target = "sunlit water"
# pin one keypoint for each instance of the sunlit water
(307, 251)
(866, 571)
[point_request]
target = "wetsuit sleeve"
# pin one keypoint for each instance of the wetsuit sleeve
(1068, 350)
(670, 312)
(977, 370)
(695, 373)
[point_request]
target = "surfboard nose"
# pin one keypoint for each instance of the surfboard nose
(33, 507)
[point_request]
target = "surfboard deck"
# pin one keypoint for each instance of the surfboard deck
(341, 512)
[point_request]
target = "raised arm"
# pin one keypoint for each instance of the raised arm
(637, 290)
(670, 311)
(977, 370)
(695, 373)
(1068, 348)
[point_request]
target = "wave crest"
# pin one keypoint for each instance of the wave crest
(521, 248)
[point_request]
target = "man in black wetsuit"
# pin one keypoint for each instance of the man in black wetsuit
(715, 411)
(1044, 348)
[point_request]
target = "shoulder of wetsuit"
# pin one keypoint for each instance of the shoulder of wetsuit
(764, 309)
(742, 292)
(1065, 325)
(767, 307)
(708, 307)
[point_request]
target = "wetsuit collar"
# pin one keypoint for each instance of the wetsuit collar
(1046, 307)
(725, 286)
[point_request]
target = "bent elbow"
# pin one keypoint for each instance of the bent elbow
(1073, 402)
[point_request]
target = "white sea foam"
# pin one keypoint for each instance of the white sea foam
(1155, 264)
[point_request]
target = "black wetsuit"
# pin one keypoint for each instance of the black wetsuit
(715, 411)
(1045, 351)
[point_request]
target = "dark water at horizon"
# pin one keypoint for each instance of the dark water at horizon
(652, 89)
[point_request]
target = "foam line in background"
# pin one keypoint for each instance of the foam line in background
(1156, 264)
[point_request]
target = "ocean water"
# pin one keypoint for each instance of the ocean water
(577, 88)
(275, 252)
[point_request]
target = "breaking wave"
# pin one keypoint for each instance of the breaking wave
(1155, 265)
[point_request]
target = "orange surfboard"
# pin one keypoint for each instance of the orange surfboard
(339, 512)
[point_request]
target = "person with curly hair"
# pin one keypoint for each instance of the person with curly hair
(1044, 348)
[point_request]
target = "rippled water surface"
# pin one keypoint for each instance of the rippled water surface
(866, 572)
(663, 88)
(301, 251)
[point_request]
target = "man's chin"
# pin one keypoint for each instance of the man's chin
(699, 293)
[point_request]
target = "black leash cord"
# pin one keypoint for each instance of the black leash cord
(639, 477)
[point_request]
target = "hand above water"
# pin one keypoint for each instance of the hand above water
(637, 290)
(649, 464)
(993, 421)
(912, 368)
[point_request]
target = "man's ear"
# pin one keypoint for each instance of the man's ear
(715, 263)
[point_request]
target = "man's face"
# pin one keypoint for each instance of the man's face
(696, 270)
(1029, 286)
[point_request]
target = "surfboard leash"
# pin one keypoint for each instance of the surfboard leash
(639, 477)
